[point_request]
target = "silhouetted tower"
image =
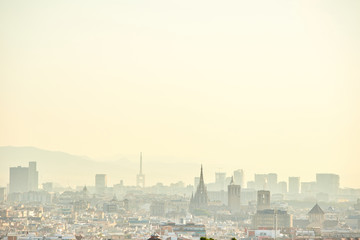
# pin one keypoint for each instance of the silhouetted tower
(316, 216)
(234, 202)
(200, 199)
(100, 183)
(263, 200)
(33, 177)
(140, 178)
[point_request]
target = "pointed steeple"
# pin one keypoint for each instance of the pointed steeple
(201, 175)
(200, 199)
(316, 210)
(201, 187)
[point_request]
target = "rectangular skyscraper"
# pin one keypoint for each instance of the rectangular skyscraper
(327, 183)
(24, 179)
(220, 181)
(33, 177)
(308, 188)
(100, 183)
(282, 187)
(19, 180)
(294, 185)
(272, 182)
(261, 181)
(239, 177)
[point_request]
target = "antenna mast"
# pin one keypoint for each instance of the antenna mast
(140, 162)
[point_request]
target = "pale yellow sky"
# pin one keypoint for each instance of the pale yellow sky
(268, 86)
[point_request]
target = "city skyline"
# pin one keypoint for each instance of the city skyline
(325, 182)
(244, 84)
(181, 120)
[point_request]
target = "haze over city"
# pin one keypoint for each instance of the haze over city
(256, 85)
(179, 120)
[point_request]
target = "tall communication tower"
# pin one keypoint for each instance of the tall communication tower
(140, 178)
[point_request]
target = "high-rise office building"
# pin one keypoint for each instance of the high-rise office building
(23, 179)
(261, 182)
(19, 180)
(101, 180)
(239, 177)
(294, 185)
(234, 202)
(327, 183)
(282, 187)
(100, 183)
(308, 187)
(220, 180)
(272, 182)
(263, 200)
(33, 177)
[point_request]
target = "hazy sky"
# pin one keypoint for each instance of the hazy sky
(268, 86)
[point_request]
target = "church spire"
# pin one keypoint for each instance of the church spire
(201, 175)
(200, 199)
(201, 186)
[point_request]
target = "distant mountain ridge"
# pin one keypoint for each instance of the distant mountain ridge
(73, 170)
(56, 166)
(26, 151)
